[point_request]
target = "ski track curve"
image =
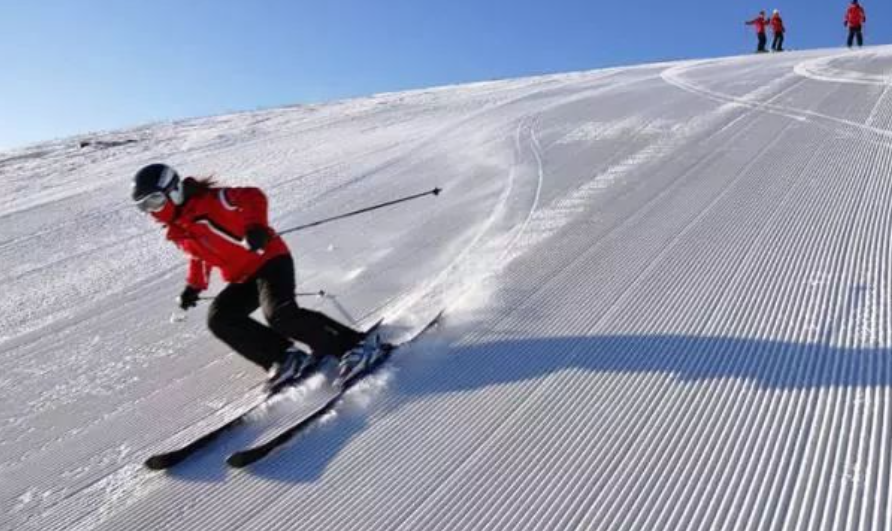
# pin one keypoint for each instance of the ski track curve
(674, 76)
(821, 69)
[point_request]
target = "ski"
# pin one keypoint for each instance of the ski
(247, 456)
(172, 458)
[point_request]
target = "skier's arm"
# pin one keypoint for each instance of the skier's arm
(199, 274)
(196, 282)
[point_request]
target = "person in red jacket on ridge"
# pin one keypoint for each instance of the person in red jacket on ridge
(777, 27)
(760, 23)
(226, 228)
(855, 19)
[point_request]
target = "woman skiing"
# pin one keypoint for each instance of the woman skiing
(226, 228)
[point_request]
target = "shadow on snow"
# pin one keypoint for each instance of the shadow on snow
(437, 368)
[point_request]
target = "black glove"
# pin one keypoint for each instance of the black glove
(258, 237)
(188, 298)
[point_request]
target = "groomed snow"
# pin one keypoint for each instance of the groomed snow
(667, 290)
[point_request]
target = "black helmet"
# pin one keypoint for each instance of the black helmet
(154, 185)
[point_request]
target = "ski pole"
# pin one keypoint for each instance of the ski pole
(180, 316)
(320, 293)
(434, 192)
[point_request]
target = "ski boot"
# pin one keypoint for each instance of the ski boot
(294, 363)
(360, 358)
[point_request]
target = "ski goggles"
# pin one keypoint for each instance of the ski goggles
(153, 202)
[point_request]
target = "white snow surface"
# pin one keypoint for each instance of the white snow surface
(667, 290)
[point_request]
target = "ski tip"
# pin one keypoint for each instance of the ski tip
(156, 462)
(239, 460)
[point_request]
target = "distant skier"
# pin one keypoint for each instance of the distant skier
(855, 19)
(227, 228)
(777, 27)
(760, 23)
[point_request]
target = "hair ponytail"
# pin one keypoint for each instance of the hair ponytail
(205, 183)
(193, 186)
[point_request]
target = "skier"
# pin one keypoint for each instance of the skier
(226, 228)
(760, 23)
(854, 20)
(777, 27)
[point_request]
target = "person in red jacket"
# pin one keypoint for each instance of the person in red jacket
(777, 27)
(760, 24)
(855, 19)
(226, 228)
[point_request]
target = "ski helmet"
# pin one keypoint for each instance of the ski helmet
(154, 185)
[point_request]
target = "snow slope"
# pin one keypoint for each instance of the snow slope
(668, 293)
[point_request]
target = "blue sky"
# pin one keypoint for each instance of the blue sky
(76, 66)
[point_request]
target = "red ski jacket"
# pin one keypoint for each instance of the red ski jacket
(211, 226)
(759, 22)
(855, 16)
(777, 24)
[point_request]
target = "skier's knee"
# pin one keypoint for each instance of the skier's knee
(217, 321)
(283, 318)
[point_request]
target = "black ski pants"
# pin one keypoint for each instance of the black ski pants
(763, 40)
(855, 33)
(272, 289)
(778, 43)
